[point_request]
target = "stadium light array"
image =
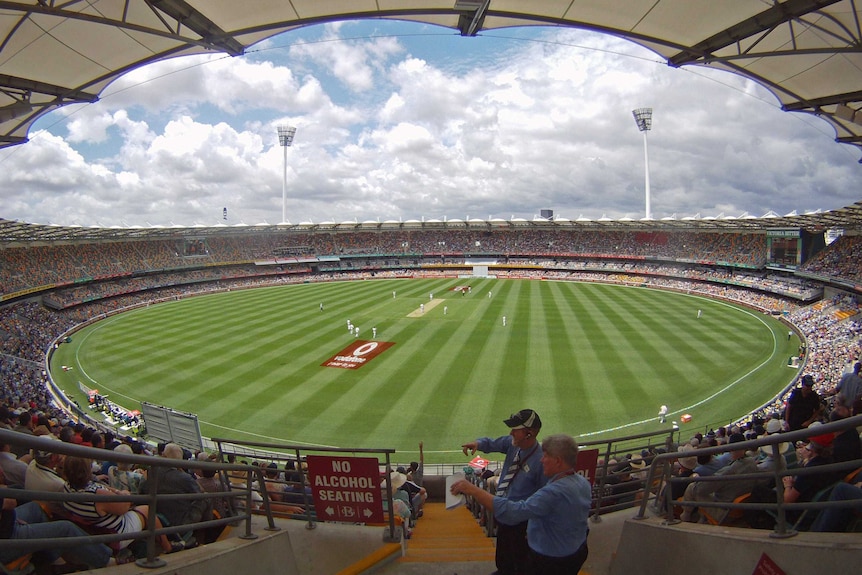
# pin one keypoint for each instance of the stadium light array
(285, 139)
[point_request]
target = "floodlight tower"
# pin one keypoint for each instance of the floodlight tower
(643, 118)
(285, 139)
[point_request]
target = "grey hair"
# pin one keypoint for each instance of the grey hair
(173, 451)
(561, 445)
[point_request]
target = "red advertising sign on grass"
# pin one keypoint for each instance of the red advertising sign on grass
(346, 488)
(357, 354)
(478, 463)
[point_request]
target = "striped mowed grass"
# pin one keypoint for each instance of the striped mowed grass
(594, 360)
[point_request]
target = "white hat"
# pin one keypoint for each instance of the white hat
(689, 462)
(773, 426)
(396, 479)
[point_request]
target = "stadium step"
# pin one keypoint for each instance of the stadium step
(442, 536)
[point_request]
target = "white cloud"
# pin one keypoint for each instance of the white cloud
(406, 127)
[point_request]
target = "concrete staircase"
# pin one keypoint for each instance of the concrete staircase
(445, 543)
(453, 535)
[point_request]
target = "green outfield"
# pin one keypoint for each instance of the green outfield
(594, 360)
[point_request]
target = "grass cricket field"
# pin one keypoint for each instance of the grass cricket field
(594, 360)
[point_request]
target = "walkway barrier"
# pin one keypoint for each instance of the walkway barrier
(242, 499)
(296, 486)
(613, 488)
(660, 474)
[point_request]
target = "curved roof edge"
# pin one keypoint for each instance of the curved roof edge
(848, 219)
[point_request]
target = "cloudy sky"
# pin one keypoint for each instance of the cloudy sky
(405, 121)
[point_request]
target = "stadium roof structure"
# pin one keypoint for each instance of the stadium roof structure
(848, 219)
(808, 53)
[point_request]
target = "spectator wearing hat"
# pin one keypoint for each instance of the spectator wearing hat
(638, 465)
(684, 468)
(521, 476)
(766, 460)
(400, 500)
(415, 495)
(804, 405)
(43, 471)
(803, 488)
(556, 514)
(725, 491)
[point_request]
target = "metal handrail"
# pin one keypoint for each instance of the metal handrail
(662, 464)
(150, 532)
(298, 450)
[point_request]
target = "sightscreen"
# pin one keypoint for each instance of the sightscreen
(168, 425)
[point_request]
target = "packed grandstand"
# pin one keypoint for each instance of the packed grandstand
(48, 287)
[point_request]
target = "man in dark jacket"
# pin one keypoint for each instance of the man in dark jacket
(176, 480)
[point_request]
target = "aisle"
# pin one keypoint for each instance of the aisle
(441, 536)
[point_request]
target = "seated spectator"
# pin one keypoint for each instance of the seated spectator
(122, 477)
(415, 495)
(24, 425)
(274, 487)
(44, 474)
(803, 488)
(67, 434)
(78, 437)
(685, 468)
(839, 519)
(294, 492)
(111, 516)
(710, 464)
(209, 482)
(766, 460)
(400, 502)
(846, 446)
(13, 468)
(727, 491)
(175, 480)
(28, 521)
(44, 471)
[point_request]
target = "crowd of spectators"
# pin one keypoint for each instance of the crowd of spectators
(839, 261)
(830, 329)
(28, 267)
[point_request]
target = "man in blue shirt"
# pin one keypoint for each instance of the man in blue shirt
(521, 476)
(557, 513)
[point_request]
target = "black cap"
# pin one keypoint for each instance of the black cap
(524, 419)
(736, 438)
(807, 380)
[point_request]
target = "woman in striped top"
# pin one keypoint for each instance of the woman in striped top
(112, 516)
